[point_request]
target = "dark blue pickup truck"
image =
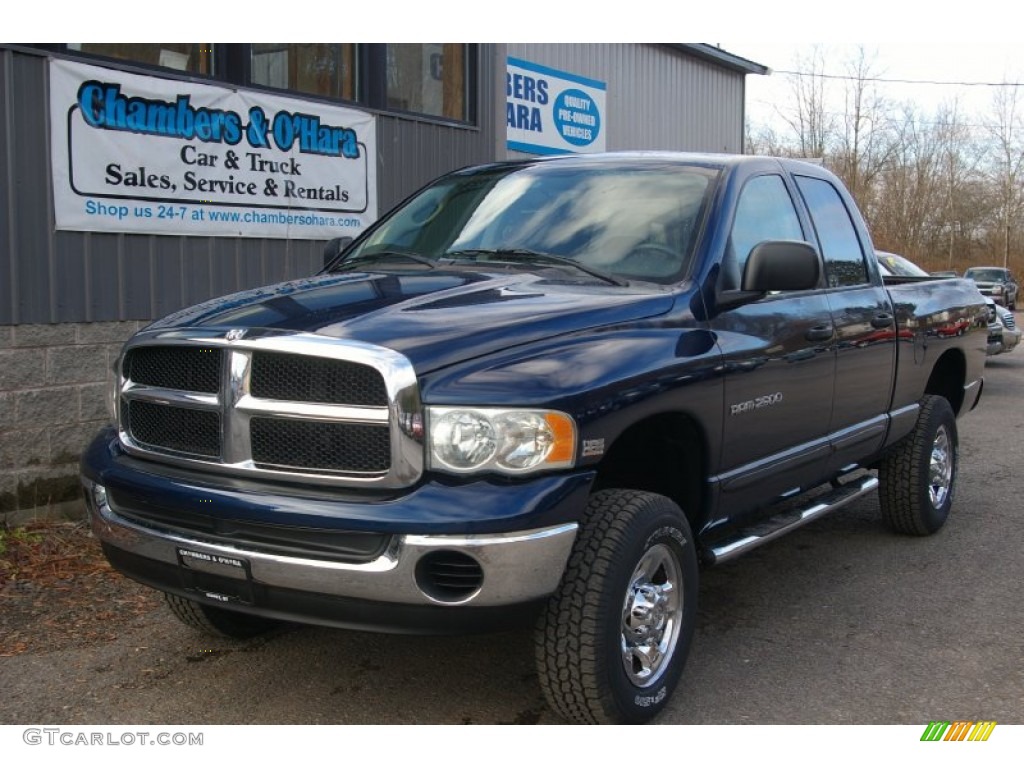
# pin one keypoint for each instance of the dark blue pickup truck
(541, 391)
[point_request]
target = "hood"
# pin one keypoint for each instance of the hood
(434, 318)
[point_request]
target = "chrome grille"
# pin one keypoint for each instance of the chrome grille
(1009, 321)
(172, 428)
(190, 369)
(320, 445)
(315, 380)
(277, 405)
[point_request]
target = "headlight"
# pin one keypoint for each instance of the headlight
(512, 441)
(997, 288)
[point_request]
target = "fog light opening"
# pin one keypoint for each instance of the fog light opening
(448, 576)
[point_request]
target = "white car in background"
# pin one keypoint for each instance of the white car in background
(899, 266)
(1009, 332)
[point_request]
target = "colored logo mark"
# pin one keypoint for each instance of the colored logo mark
(958, 730)
(577, 117)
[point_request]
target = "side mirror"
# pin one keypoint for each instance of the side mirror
(334, 247)
(774, 265)
(782, 265)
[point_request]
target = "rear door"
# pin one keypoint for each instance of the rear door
(863, 316)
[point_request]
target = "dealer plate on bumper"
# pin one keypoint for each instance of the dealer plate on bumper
(218, 577)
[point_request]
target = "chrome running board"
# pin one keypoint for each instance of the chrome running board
(747, 539)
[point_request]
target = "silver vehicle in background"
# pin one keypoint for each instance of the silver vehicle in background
(1003, 333)
(997, 282)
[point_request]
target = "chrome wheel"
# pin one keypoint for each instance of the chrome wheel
(613, 640)
(651, 616)
(917, 476)
(940, 468)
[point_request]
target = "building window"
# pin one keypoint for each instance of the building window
(185, 57)
(436, 80)
(321, 69)
(428, 78)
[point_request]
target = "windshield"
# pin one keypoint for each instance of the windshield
(899, 266)
(986, 275)
(635, 220)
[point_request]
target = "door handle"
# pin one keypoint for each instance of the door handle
(820, 333)
(883, 320)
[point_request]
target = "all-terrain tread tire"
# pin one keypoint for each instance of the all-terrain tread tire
(904, 473)
(217, 622)
(571, 652)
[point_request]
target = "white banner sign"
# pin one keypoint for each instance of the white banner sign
(548, 112)
(133, 153)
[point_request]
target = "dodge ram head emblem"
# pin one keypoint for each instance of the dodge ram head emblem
(234, 334)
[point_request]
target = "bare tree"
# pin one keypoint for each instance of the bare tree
(911, 190)
(1006, 132)
(929, 187)
(864, 138)
(965, 206)
(764, 140)
(808, 118)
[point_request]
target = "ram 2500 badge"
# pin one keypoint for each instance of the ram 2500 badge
(539, 391)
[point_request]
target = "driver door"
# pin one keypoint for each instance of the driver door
(779, 365)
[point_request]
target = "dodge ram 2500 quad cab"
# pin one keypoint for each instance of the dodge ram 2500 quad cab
(543, 390)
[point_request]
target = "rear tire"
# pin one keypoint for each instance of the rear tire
(218, 622)
(917, 478)
(612, 641)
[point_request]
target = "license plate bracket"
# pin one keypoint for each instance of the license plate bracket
(224, 578)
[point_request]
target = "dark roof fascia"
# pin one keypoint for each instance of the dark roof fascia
(722, 58)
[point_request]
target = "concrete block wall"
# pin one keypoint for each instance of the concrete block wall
(53, 399)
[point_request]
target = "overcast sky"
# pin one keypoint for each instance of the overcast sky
(976, 41)
(524, 21)
(942, 72)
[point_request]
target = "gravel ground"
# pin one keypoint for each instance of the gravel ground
(58, 592)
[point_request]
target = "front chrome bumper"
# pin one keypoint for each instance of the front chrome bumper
(516, 567)
(1011, 338)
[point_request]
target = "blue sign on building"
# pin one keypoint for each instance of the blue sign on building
(549, 112)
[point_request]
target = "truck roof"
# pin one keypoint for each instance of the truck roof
(708, 159)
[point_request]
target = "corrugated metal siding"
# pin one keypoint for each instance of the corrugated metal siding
(51, 277)
(7, 268)
(26, 193)
(699, 106)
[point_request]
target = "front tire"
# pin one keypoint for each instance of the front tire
(612, 641)
(218, 622)
(917, 478)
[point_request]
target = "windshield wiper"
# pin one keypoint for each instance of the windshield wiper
(527, 256)
(384, 255)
